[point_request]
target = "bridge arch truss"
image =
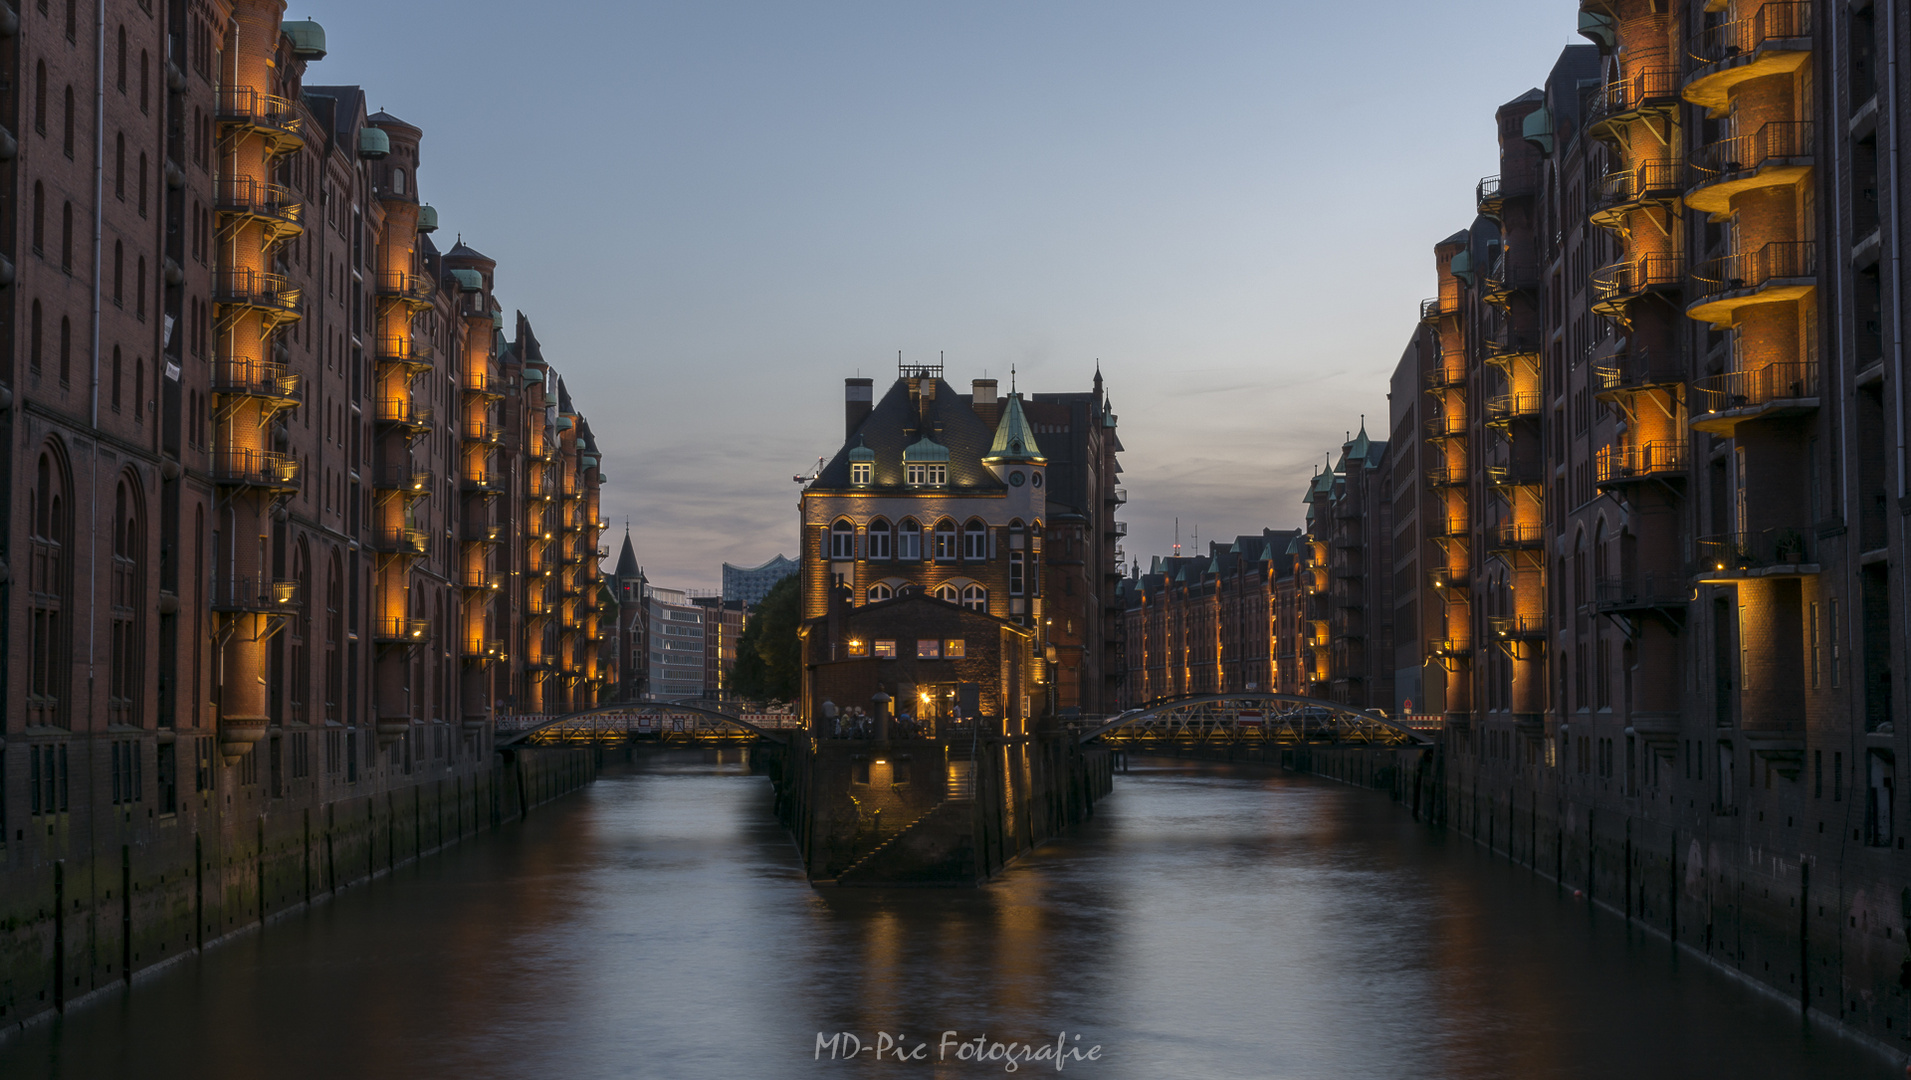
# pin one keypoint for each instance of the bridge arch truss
(699, 723)
(1253, 719)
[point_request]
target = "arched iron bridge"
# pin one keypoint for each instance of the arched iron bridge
(1279, 720)
(697, 722)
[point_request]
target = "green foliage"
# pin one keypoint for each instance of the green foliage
(769, 662)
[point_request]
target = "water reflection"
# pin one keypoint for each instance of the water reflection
(1208, 923)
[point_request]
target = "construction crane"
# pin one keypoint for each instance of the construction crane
(814, 472)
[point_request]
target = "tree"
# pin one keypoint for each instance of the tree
(769, 658)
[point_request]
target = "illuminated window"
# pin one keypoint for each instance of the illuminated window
(954, 649)
(842, 540)
(1017, 574)
(880, 540)
(919, 475)
(945, 540)
(909, 541)
(975, 598)
(858, 647)
(885, 650)
(859, 473)
(879, 592)
(928, 649)
(948, 594)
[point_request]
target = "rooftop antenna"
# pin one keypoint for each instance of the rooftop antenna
(1011, 379)
(1177, 538)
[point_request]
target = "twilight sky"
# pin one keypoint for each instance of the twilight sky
(713, 211)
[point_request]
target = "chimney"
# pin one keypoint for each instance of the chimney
(986, 404)
(859, 397)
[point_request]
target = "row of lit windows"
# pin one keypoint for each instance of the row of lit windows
(973, 597)
(926, 648)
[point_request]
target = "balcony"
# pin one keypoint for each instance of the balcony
(1507, 536)
(254, 593)
(478, 581)
(273, 207)
(1617, 466)
(1644, 93)
(484, 534)
(274, 383)
(243, 110)
(1721, 403)
(273, 296)
(1779, 154)
(481, 432)
(1506, 277)
(404, 352)
(398, 540)
(1775, 40)
(1489, 197)
(1770, 553)
(1431, 310)
(484, 651)
(1504, 409)
(412, 290)
(1450, 425)
(396, 631)
(1445, 378)
(1505, 346)
(1517, 627)
(1444, 579)
(1630, 372)
(1519, 473)
(402, 412)
(1782, 270)
(1641, 593)
(412, 483)
(1619, 284)
(480, 384)
(1453, 528)
(486, 484)
(1117, 496)
(1650, 183)
(263, 469)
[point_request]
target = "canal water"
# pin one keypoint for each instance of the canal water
(1210, 922)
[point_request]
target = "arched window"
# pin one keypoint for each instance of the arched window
(39, 218)
(39, 97)
(398, 181)
(145, 80)
(66, 236)
(909, 541)
(139, 289)
(126, 636)
(36, 341)
(1579, 569)
(66, 350)
(334, 638)
(115, 382)
(949, 593)
(1018, 567)
(119, 273)
(880, 541)
(121, 67)
(945, 540)
(975, 598)
(119, 166)
(139, 389)
(842, 540)
(975, 540)
(48, 666)
(66, 139)
(880, 592)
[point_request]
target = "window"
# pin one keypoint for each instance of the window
(166, 773)
(954, 649)
(945, 540)
(67, 124)
(1017, 574)
(975, 541)
(885, 650)
(39, 97)
(860, 472)
(66, 237)
(948, 594)
(842, 540)
(48, 674)
(929, 649)
(975, 598)
(878, 593)
(879, 541)
(909, 541)
(39, 219)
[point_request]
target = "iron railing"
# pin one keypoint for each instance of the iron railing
(1635, 369)
(265, 112)
(1773, 21)
(1776, 261)
(1640, 183)
(1631, 93)
(261, 468)
(1517, 626)
(254, 592)
(255, 288)
(397, 540)
(1653, 460)
(1626, 279)
(256, 378)
(1508, 536)
(1504, 408)
(1641, 591)
(401, 630)
(1775, 140)
(1767, 548)
(402, 350)
(1789, 381)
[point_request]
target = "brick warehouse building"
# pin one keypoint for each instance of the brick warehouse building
(957, 497)
(1643, 503)
(289, 516)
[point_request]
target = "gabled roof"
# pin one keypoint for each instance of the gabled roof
(894, 425)
(627, 559)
